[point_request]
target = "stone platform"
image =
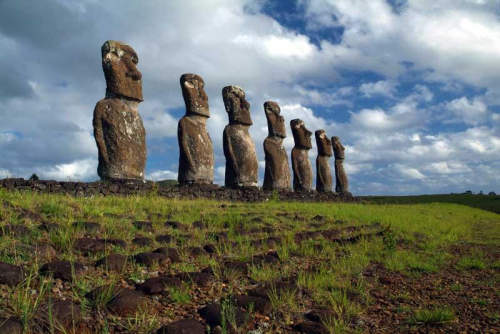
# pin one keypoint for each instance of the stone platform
(137, 187)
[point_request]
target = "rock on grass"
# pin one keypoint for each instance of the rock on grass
(184, 326)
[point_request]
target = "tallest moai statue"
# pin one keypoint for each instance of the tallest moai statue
(118, 129)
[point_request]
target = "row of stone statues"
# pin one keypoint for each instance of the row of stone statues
(121, 137)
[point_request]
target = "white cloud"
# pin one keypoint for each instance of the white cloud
(161, 175)
(470, 112)
(385, 88)
(79, 170)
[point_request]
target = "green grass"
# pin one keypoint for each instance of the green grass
(485, 202)
(419, 239)
(436, 316)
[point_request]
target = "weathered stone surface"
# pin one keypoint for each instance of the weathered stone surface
(10, 274)
(239, 148)
(64, 270)
(323, 172)
(124, 302)
(277, 172)
(301, 165)
(60, 316)
(196, 160)
(159, 285)
(184, 326)
(141, 188)
(309, 327)
(118, 128)
(342, 184)
(119, 63)
(151, 259)
(258, 304)
(10, 326)
(212, 314)
(112, 262)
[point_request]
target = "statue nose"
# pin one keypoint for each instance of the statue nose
(135, 75)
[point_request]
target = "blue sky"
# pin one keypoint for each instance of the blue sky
(411, 87)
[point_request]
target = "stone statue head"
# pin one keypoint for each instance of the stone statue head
(338, 148)
(275, 122)
(301, 135)
(119, 63)
(236, 105)
(195, 98)
(323, 143)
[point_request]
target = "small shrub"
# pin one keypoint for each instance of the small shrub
(471, 263)
(437, 316)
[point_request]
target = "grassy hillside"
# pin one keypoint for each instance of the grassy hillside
(368, 268)
(485, 202)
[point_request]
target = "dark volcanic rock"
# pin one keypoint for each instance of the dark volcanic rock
(116, 242)
(196, 252)
(176, 225)
(113, 262)
(239, 148)
(151, 259)
(118, 128)
(199, 278)
(164, 238)
(212, 314)
(184, 326)
(64, 315)
(142, 241)
(64, 270)
(10, 274)
(199, 225)
(196, 160)
(144, 226)
(323, 172)
(123, 302)
(277, 171)
(41, 251)
(171, 253)
(269, 258)
(301, 165)
(10, 326)
(309, 327)
(87, 226)
(14, 230)
(342, 184)
(261, 305)
(159, 285)
(319, 315)
(237, 265)
(90, 245)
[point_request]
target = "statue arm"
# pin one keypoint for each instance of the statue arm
(98, 134)
(183, 143)
(296, 173)
(229, 152)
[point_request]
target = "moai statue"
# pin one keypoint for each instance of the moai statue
(239, 148)
(342, 185)
(277, 172)
(118, 129)
(323, 172)
(301, 165)
(196, 160)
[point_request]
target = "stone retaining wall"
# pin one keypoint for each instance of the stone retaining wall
(135, 187)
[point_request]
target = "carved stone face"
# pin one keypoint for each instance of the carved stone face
(323, 143)
(301, 135)
(119, 63)
(236, 105)
(275, 122)
(338, 148)
(195, 98)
